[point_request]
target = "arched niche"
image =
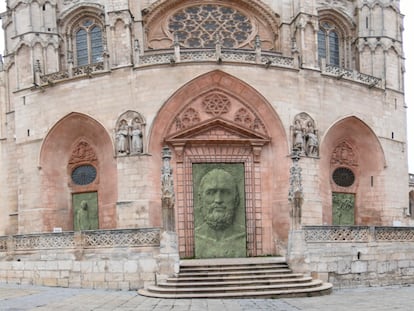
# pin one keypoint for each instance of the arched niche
(77, 140)
(352, 150)
(219, 118)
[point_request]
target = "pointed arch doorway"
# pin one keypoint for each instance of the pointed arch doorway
(218, 148)
(218, 125)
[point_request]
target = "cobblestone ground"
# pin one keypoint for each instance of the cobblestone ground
(14, 298)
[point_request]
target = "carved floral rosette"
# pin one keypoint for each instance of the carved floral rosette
(217, 117)
(217, 104)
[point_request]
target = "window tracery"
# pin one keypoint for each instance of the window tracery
(195, 24)
(336, 35)
(201, 26)
(328, 43)
(84, 35)
(88, 45)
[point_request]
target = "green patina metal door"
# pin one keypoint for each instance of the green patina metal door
(219, 210)
(85, 211)
(343, 209)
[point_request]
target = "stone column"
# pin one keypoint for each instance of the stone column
(296, 253)
(295, 190)
(167, 189)
(168, 260)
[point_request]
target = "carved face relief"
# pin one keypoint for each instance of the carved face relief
(219, 210)
(218, 193)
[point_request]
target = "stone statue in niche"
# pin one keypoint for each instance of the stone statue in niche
(298, 136)
(136, 137)
(304, 136)
(312, 142)
(122, 137)
(129, 134)
(217, 233)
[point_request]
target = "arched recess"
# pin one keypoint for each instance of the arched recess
(216, 118)
(344, 28)
(162, 24)
(77, 140)
(351, 146)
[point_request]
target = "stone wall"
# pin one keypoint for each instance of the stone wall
(359, 256)
(110, 259)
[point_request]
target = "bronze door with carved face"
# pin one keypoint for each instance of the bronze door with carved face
(85, 211)
(219, 210)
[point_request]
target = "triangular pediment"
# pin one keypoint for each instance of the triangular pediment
(217, 130)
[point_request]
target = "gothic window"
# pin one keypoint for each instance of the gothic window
(88, 42)
(328, 43)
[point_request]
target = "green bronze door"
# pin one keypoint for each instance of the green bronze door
(85, 211)
(343, 210)
(219, 210)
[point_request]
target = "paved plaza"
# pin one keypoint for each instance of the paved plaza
(14, 298)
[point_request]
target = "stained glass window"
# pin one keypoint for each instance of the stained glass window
(201, 26)
(82, 47)
(328, 43)
(89, 43)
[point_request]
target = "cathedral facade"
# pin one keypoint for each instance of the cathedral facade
(113, 112)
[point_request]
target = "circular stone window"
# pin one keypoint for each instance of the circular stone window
(343, 177)
(84, 175)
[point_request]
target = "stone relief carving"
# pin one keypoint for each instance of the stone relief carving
(305, 136)
(344, 154)
(217, 208)
(129, 134)
(187, 119)
(245, 118)
(216, 104)
(82, 153)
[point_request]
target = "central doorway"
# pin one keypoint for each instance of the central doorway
(219, 210)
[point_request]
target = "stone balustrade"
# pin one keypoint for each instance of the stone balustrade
(352, 75)
(82, 239)
(175, 56)
(114, 259)
(351, 256)
(357, 234)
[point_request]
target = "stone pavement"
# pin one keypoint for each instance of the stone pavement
(24, 297)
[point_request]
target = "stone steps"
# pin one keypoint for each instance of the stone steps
(231, 278)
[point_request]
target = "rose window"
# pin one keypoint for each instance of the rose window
(343, 177)
(201, 26)
(83, 175)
